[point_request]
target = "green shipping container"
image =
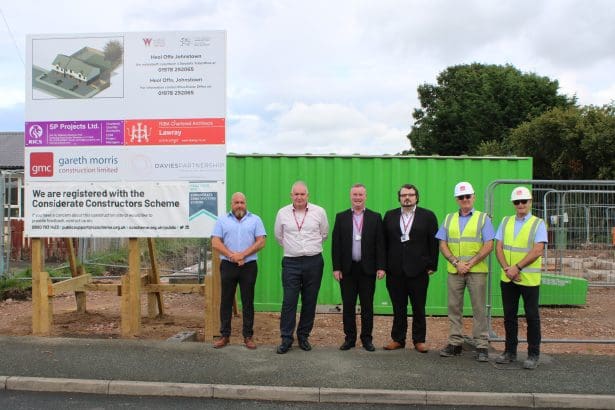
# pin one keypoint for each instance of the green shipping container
(267, 179)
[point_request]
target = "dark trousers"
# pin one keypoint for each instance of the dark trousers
(354, 283)
(300, 276)
(401, 288)
(231, 274)
(511, 293)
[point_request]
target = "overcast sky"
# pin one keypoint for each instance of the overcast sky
(338, 76)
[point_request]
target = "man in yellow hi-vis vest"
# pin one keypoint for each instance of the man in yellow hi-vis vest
(520, 242)
(466, 238)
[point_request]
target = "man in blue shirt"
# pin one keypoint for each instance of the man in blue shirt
(238, 236)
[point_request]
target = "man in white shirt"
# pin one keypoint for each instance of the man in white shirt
(300, 228)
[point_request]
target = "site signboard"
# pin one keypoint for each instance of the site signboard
(125, 134)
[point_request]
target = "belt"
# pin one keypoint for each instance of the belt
(233, 263)
(304, 256)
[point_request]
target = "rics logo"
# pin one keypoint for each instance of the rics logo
(36, 131)
(35, 134)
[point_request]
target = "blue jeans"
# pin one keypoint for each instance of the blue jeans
(300, 275)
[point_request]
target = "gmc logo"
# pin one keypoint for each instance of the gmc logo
(41, 164)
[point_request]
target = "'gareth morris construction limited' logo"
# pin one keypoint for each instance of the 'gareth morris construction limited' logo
(41, 164)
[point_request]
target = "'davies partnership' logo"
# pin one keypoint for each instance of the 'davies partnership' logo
(41, 164)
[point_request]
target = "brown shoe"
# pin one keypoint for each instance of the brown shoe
(221, 342)
(249, 343)
(393, 345)
(421, 347)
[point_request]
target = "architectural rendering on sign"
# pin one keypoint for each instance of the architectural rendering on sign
(83, 74)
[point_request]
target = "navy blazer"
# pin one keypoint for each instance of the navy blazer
(418, 254)
(373, 252)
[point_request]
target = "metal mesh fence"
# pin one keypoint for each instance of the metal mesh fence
(177, 259)
(3, 253)
(11, 189)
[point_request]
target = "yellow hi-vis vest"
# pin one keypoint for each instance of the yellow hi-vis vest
(465, 246)
(515, 249)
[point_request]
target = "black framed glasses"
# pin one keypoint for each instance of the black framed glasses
(520, 201)
(462, 197)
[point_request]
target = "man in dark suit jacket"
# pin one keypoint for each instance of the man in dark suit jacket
(412, 255)
(359, 257)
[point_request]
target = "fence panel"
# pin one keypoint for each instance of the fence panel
(3, 233)
(178, 260)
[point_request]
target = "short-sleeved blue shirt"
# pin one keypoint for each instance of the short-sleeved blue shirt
(541, 231)
(486, 232)
(239, 234)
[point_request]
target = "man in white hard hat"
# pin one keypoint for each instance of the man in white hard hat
(521, 239)
(466, 239)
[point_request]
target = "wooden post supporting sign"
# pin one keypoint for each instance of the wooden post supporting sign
(40, 305)
(154, 299)
(75, 271)
(131, 292)
(212, 299)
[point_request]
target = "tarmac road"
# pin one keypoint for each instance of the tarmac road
(322, 375)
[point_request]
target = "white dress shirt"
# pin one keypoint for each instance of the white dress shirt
(301, 233)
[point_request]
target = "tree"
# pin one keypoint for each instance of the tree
(114, 52)
(599, 140)
(572, 143)
(553, 141)
(476, 104)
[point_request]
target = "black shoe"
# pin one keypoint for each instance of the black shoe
(347, 345)
(506, 358)
(369, 346)
(482, 355)
(284, 347)
(451, 350)
(531, 363)
(305, 345)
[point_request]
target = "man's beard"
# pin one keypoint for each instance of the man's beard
(240, 213)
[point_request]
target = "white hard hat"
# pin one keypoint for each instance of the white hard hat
(520, 192)
(463, 188)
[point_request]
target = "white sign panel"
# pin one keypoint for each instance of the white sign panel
(130, 111)
(183, 163)
(105, 209)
